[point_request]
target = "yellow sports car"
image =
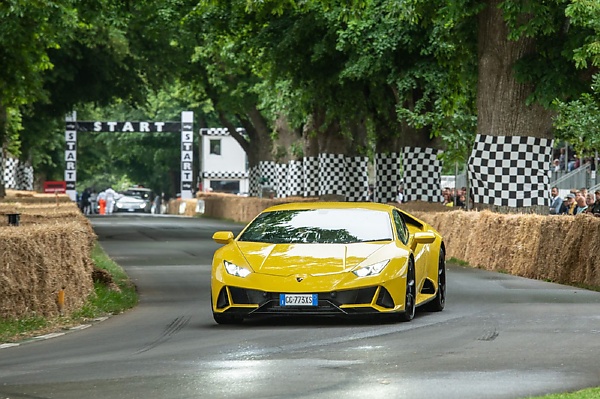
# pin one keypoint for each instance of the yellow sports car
(328, 258)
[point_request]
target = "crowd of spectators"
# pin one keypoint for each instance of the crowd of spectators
(569, 161)
(455, 197)
(576, 202)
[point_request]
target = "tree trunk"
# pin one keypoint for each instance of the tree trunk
(501, 100)
(3, 125)
(288, 142)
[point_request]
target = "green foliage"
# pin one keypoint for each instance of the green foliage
(578, 121)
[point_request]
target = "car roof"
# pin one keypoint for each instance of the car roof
(330, 205)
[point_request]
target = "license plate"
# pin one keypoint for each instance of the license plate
(298, 300)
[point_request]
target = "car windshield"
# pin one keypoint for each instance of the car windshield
(335, 226)
(143, 194)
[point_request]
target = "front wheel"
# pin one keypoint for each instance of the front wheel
(221, 318)
(411, 294)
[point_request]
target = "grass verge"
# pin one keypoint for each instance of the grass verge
(113, 295)
(592, 393)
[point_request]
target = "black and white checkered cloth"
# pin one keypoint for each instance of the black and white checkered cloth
(510, 170)
(17, 175)
(295, 179)
(422, 174)
(387, 177)
(310, 166)
(332, 173)
(357, 179)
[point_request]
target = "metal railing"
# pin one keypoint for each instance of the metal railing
(578, 178)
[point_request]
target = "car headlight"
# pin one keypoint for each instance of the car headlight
(235, 270)
(371, 270)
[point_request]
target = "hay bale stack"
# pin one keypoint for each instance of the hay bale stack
(49, 251)
(563, 249)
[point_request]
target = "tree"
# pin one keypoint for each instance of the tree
(27, 33)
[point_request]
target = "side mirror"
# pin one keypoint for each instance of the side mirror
(426, 237)
(223, 237)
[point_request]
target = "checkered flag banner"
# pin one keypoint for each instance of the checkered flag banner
(295, 178)
(332, 170)
(510, 170)
(11, 165)
(387, 177)
(357, 179)
(310, 166)
(263, 175)
(422, 174)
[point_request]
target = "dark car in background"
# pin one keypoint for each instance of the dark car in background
(135, 199)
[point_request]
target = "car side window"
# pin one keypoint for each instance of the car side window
(401, 227)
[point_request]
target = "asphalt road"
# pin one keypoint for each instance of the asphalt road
(499, 337)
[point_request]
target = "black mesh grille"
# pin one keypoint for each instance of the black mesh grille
(385, 299)
(222, 300)
(329, 302)
(242, 296)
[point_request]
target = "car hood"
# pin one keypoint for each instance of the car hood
(310, 259)
(127, 198)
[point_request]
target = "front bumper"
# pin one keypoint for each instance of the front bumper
(243, 302)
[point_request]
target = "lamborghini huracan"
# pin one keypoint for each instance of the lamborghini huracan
(328, 259)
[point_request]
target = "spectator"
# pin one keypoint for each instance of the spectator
(400, 196)
(562, 159)
(568, 207)
(590, 200)
(85, 202)
(556, 202)
(595, 209)
(581, 206)
(555, 167)
(93, 202)
(157, 206)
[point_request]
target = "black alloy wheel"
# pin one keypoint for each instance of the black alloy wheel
(411, 293)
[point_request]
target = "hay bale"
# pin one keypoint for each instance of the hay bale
(50, 250)
(40, 260)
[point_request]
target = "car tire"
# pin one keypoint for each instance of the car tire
(410, 296)
(438, 303)
(221, 318)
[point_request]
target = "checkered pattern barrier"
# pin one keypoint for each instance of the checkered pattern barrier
(263, 174)
(310, 166)
(332, 170)
(422, 174)
(16, 175)
(327, 174)
(387, 177)
(10, 172)
(225, 175)
(219, 131)
(295, 179)
(281, 186)
(25, 177)
(357, 179)
(510, 170)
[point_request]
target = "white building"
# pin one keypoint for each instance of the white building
(224, 164)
